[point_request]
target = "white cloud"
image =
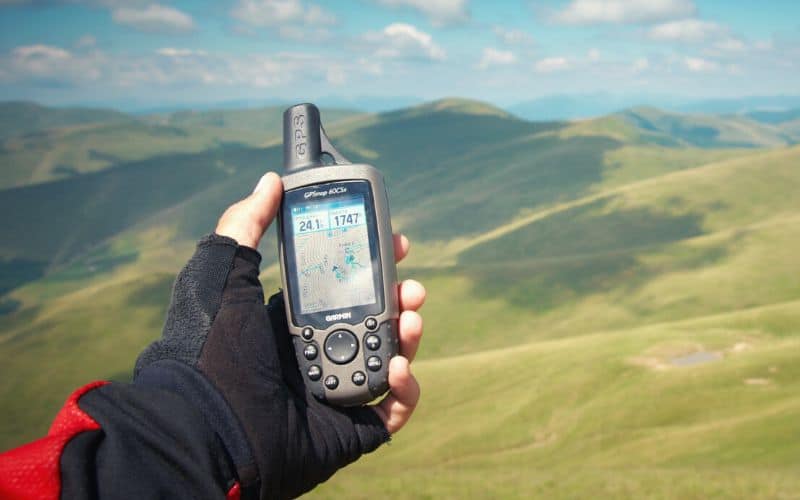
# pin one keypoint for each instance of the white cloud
(513, 36)
(277, 13)
(41, 53)
(624, 11)
(730, 44)
(493, 57)
(50, 64)
(173, 52)
(85, 41)
(290, 19)
(734, 69)
(440, 12)
(404, 41)
(335, 75)
(551, 64)
(641, 64)
(593, 55)
(716, 38)
(154, 18)
(699, 65)
(180, 67)
(370, 67)
(686, 30)
(763, 45)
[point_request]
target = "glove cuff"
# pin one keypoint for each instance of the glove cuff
(251, 255)
(197, 391)
(370, 429)
(197, 296)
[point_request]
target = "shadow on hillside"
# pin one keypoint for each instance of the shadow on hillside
(478, 187)
(155, 292)
(696, 135)
(57, 221)
(409, 144)
(9, 306)
(584, 251)
(18, 271)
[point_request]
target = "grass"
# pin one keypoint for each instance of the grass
(89, 334)
(567, 265)
(580, 417)
(707, 131)
(24, 117)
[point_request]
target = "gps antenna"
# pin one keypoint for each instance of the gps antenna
(304, 141)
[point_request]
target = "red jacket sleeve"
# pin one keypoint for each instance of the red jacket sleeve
(34, 470)
(128, 442)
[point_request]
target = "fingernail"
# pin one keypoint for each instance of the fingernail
(260, 184)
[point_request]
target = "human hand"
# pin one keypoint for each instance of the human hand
(218, 325)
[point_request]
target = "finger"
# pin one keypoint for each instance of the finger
(410, 333)
(401, 246)
(412, 295)
(397, 407)
(247, 220)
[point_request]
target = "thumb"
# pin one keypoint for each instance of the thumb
(247, 220)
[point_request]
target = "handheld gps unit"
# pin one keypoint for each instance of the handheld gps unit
(337, 265)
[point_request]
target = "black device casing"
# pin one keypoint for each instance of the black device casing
(347, 393)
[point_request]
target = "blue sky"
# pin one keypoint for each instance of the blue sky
(140, 53)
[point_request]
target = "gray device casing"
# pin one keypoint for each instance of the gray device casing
(348, 393)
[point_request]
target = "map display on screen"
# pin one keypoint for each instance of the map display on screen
(332, 253)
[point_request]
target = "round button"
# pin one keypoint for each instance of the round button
(314, 372)
(371, 323)
(310, 352)
(341, 346)
(359, 378)
(331, 382)
(307, 333)
(374, 363)
(373, 342)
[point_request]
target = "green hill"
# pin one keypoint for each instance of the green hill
(774, 117)
(24, 117)
(706, 131)
(612, 415)
(265, 121)
(612, 304)
(639, 343)
(64, 150)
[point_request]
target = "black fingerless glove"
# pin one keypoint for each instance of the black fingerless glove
(230, 356)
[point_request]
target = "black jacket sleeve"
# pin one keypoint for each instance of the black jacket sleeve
(152, 443)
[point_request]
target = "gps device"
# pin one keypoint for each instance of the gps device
(337, 265)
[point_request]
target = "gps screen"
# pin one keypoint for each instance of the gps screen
(332, 254)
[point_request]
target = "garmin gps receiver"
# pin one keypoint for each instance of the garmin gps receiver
(337, 265)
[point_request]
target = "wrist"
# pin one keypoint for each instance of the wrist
(200, 394)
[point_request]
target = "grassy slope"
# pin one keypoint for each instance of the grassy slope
(624, 257)
(23, 117)
(774, 117)
(594, 416)
(600, 410)
(63, 152)
(67, 152)
(706, 130)
(265, 121)
(568, 408)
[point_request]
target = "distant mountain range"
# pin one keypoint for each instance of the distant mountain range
(551, 107)
(561, 107)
